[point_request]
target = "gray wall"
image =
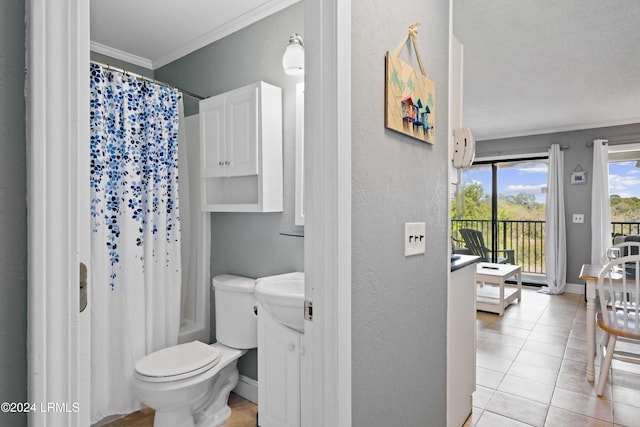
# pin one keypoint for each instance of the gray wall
(249, 244)
(399, 303)
(13, 212)
(577, 197)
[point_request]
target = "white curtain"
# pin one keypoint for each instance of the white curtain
(135, 242)
(556, 241)
(600, 210)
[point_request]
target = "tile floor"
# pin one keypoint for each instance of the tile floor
(530, 372)
(531, 369)
(243, 414)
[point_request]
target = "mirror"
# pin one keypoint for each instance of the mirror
(299, 190)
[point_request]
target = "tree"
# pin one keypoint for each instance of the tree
(475, 203)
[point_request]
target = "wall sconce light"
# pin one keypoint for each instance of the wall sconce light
(293, 58)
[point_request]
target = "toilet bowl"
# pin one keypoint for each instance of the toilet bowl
(189, 384)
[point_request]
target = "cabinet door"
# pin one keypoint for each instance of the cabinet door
(213, 137)
(278, 373)
(242, 132)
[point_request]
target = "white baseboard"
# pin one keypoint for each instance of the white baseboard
(574, 288)
(247, 388)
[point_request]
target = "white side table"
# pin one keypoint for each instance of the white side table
(494, 297)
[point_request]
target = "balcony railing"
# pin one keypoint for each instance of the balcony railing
(526, 238)
(619, 228)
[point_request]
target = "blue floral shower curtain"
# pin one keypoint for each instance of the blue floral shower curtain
(135, 242)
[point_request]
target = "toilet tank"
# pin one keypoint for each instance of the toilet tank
(236, 320)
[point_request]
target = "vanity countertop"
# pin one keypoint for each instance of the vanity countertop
(463, 261)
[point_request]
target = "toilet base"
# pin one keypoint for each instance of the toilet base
(214, 409)
(200, 401)
(211, 409)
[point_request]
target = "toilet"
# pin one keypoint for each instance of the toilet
(189, 384)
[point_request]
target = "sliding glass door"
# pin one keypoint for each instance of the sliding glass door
(506, 201)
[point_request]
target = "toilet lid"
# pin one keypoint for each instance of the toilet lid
(178, 362)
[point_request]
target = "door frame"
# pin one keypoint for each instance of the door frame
(57, 121)
(326, 380)
(57, 99)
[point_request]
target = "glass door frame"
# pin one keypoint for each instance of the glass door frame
(494, 193)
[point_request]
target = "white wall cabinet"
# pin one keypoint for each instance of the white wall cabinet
(279, 359)
(241, 150)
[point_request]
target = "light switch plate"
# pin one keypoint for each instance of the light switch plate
(414, 238)
(578, 218)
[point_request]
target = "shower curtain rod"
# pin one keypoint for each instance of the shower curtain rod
(141, 77)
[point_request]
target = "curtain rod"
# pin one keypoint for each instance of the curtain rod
(141, 77)
(629, 140)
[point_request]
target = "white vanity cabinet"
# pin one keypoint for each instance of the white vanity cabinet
(241, 150)
(279, 361)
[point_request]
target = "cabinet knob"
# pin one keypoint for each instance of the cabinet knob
(227, 162)
(292, 346)
(221, 163)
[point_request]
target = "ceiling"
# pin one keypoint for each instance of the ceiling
(540, 66)
(531, 66)
(153, 33)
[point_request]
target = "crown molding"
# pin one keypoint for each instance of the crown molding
(222, 31)
(121, 55)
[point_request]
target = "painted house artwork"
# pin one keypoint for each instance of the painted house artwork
(410, 101)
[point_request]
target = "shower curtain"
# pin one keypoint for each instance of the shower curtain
(135, 242)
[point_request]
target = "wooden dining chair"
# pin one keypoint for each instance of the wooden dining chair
(474, 240)
(618, 289)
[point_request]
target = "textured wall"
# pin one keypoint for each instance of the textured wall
(249, 244)
(13, 212)
(577, 198)
(399, 303)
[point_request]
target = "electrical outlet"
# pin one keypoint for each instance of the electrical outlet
(578, 218)
(414, 238)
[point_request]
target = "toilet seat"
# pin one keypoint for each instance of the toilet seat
(177, 362)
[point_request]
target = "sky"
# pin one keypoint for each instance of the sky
(513, 178)
(531, 177)
(624, 179)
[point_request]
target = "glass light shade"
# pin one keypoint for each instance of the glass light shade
(293, 58)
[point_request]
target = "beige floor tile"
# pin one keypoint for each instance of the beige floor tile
(507, 340)
(579, 403)
(534, 373)
(527, 389)
(545, 337)
(488, 378)
(559, 418)
(489, 419)
(552, 330)
(512, 331)
(518, 408)
(574, 354)
(625, 379)
(626, 415)
(538, 360)
(511, 322)
(490, 361)
(482, 396)
(625, 395)
(544, 348)
(499, 350)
